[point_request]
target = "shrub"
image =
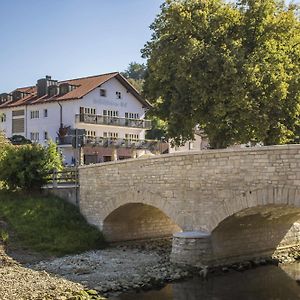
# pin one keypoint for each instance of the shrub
(27, 166)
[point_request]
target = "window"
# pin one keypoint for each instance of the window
(91, 133)
(111, 135)
(45, 113)
(18, 125)
(34, 114)
(34, 136)
(131, 137)
(46, 135)
(118, 95)
(129, 115)
(102, 92)
(89, 111)
(2, 118)
(110, 113)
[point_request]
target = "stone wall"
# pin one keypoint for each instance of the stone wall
(67, 193)
(196, 190)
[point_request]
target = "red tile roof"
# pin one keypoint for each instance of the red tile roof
(84, 86)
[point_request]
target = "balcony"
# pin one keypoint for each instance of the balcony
(152, 145)
(64, 141)
(113, 121)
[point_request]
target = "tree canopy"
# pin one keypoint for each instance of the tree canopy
(135, 73)
(234, 69)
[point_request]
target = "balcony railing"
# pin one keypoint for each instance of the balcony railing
(113, 121)
(122, 143)
(153, 145)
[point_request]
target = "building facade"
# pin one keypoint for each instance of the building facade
(106, 106)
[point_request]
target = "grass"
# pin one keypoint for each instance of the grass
(47, 224)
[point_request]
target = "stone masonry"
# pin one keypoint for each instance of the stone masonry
(199, 192)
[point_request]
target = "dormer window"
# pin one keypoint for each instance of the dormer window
(118, 95)
(102, 92)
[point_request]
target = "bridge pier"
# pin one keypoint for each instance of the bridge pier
(191, 248)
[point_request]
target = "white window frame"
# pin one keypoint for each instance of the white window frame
(129, 115)
(35, 136)
(110, 113)
(111, 135)
(34, 114)
(3, 118)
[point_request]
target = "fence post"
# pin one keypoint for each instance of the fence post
(54, 178)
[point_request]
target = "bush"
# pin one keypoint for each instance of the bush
(27, 166)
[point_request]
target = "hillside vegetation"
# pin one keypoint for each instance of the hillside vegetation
(46, 224)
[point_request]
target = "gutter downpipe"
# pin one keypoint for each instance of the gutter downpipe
(61, 123)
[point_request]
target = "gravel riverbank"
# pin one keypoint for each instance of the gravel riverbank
(118, 269)
(18, 282)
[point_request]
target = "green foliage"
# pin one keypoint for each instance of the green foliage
(4, 144)
(135, 74)
(135, 71)
(158, 130)
(4, 236)
(234, 69)
(47, 224)
(137, 84)
(27, 166)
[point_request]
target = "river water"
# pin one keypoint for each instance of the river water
(267, 282)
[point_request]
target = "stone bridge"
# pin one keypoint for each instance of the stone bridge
(221, 205)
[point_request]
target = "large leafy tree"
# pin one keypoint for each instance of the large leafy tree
(234, 69)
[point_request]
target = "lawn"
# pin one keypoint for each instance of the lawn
(47, 224)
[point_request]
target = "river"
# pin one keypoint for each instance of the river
(266, 282)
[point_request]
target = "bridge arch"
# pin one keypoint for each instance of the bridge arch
(134, 221)
(255, 232)
(284, 196)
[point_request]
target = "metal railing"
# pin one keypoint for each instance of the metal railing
(113, 121)
(65, 177)
(122, 143)
(152, 145)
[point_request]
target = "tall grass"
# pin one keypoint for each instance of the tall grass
(47, 224)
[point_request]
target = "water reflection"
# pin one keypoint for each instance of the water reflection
(264, 283)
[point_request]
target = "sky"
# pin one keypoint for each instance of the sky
(70, 38)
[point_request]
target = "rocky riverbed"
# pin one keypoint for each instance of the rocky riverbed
(118, 269)
(123, 267)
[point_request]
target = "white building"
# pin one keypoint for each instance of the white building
(106, 106)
